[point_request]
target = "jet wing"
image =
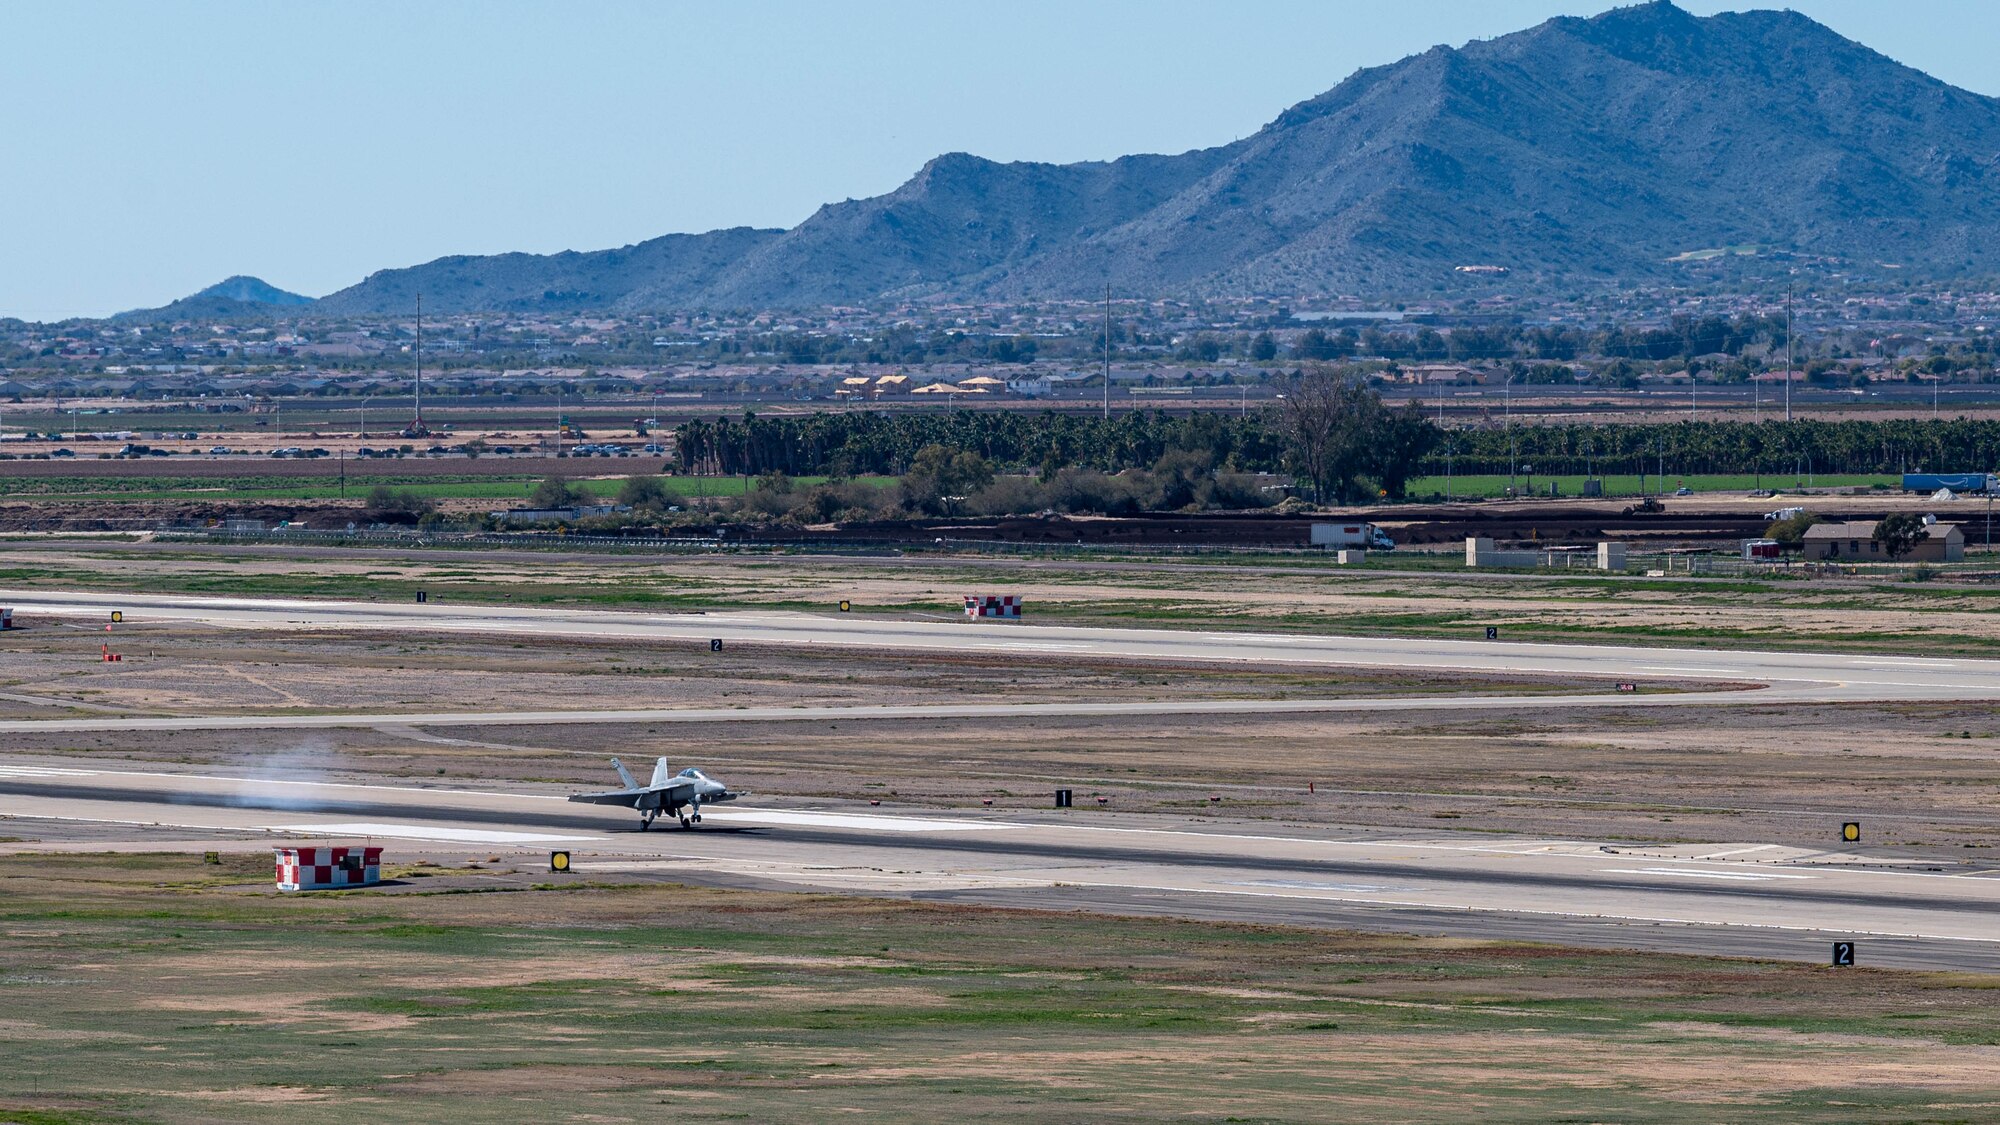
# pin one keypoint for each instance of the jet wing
(630, 797)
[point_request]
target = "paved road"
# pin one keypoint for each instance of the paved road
(1761, 900)
(1782, 677)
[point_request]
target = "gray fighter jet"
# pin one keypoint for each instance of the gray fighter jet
(682, 794)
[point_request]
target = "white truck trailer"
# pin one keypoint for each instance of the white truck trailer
(1363, 536)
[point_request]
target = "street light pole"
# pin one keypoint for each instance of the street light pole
(1107, 351)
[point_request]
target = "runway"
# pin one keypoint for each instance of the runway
(1777, 677)
(1760, 900)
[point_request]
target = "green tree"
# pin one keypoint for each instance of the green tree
(383, 500)
(1792, 529)
(647, 494)
(556, 492)
(937, 475)
(1899, 534)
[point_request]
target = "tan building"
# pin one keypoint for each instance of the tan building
(1855, 542)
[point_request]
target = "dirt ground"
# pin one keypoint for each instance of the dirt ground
(1924, 778)
(56, 670)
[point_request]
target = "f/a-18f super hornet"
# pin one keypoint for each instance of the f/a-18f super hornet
(682, 794)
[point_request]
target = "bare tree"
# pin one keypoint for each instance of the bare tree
(1345, 441)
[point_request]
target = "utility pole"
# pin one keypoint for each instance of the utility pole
(1107, 351)
(1789, 352)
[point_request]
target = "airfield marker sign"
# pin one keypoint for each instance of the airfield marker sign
(558, 862)
(1843, 954)
(1851, 832)
(1493, 632)
(715, 644)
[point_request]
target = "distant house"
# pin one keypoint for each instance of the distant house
(1855, 542)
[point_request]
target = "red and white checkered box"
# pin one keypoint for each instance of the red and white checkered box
(311, 869)
(993, 605)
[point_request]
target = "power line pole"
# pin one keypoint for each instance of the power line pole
(1789, 350)
(1107, 351)
(417, 426)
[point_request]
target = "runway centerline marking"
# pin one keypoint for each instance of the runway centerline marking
(1691, 873)
(424, 832)
(857, 821)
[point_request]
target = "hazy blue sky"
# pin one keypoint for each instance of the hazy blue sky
(154, 148)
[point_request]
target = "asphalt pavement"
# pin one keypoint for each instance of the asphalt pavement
(1748, 899)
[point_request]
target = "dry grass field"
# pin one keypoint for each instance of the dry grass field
(1857, 614)
(157, 988)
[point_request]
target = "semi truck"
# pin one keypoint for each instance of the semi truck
(1957, 482)
(1364, 536)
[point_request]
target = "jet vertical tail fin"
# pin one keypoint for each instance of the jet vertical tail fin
(660, 774)
(624, 774)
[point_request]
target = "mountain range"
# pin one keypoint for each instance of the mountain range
(1577, 151)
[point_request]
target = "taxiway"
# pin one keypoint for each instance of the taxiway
(1773, 677)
